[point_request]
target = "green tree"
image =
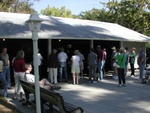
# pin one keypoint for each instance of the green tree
(53, 11)
(132, 14)
(90, 15)
(16, 6)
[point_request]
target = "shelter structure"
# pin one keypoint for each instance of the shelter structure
(71, 33)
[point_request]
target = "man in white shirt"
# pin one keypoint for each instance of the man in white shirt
(39, 62)
(44, 83)
(62, 57)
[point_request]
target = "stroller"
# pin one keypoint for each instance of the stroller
(147, 75)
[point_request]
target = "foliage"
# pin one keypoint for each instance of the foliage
(16, 6)
(148, 52)
(94, 14)
(133, 14)
(52, 11)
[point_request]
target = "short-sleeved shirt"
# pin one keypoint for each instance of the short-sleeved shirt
(40, 58)
(1, 66)
(92, 58)
(75, 60)
(140, 57)
(19, 65)
(81, 57)
(62, 57)
(100, 55)
(30, 78)
(4, 58)
(132, 57)
(113, 55)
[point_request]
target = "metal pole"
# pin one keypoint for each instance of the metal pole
(36, 70)
(91, 43)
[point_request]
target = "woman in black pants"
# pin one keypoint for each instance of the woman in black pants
(121, 59)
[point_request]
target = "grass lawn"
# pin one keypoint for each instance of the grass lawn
(7, 107)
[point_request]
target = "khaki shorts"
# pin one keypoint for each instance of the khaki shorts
(75, 69)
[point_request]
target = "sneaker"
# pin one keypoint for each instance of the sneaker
(100, 79)
(119, 85)
(124, 85)
(94, 81)
(21, 100)
(9, 88)
(81, 77)
(140, 78)
(55, 87)
(90, 81)
(132, 76)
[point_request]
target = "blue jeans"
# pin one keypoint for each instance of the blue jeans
(100, 69)
(4, 83)
(141, 67)
(126, 69)
(63, 68)
(6, 72)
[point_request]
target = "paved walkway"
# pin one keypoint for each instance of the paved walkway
(103, 97)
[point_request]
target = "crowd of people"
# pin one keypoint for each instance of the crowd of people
(58, 62)
(121, 58)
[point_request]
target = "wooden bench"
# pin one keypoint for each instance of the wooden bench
(52, 99)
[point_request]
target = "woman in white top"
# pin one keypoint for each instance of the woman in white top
(75, 68)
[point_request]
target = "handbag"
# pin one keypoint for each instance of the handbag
(117, 65)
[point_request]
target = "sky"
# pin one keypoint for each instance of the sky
(76, 6)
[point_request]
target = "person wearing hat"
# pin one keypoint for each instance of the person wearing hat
(121, 60)
(132, 61)
(100, 61)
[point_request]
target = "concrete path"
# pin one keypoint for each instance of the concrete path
(103, 97)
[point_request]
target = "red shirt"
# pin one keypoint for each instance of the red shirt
(100, 55)
(19, 65)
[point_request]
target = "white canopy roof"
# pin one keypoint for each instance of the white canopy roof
(13, 26)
